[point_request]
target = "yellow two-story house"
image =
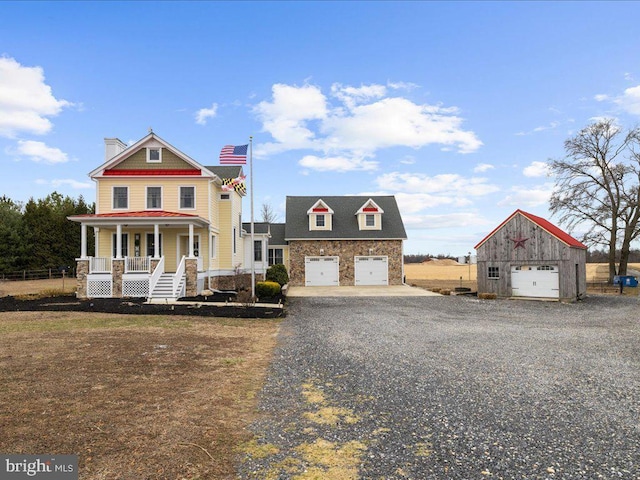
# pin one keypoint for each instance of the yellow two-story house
(165, 226)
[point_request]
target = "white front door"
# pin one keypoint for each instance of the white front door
(535, 281)
(371, 270)
(321, 271)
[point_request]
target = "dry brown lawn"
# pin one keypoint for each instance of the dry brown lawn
(15, 288)
(144, 397)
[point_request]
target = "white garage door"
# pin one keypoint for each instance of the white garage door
(535, 281)
(372, 270)
(321, 271)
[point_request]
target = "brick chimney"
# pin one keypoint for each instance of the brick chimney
(112, 147)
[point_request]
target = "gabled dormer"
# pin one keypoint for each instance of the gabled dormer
(320, 216)
(370, 216)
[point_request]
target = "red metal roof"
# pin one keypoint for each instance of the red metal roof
(142, 214)
(544, 224)
(151, 172)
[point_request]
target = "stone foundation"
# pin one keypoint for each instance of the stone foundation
(346, 250)
(191, 269)
(82, 271)
(118, 271)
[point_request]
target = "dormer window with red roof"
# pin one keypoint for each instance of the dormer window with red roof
(370, 216)
(320, 216)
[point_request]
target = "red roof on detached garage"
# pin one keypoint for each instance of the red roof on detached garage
(544, 224)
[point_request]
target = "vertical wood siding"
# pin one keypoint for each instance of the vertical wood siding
(540, 248)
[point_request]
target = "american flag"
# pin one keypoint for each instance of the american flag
(234, 155)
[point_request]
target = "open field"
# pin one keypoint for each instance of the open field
(147, 397)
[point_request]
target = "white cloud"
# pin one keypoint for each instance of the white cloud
(528, 196)
(204, 113)
(337, 164)
(536, 169)
(483, 167)
(629, 101)
(452, 220)
(542, 128)
(448, 184)
(76, 185)
(364, 120)
(25, 100)
(351, 96)
(39, 152)
(286, 117)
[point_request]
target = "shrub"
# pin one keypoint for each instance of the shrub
(267, 289)
(487, 296)
(277, 273)
(445, 291)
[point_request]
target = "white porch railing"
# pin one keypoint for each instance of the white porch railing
(179, 274)
(155, 276)
(99, 265)
(137, 264)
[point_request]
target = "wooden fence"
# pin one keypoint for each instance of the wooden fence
(42, 274)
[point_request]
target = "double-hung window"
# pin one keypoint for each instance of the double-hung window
(319, 220)
(154, 198)
(257, 250)
(276, 256)
(188, 198)
(120, 198)
(370, 220)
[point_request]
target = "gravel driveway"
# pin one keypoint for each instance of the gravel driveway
(451, 388)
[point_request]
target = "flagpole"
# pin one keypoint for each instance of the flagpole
(253, 248)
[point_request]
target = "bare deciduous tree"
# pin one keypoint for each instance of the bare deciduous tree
(597, 186)
(268, 214)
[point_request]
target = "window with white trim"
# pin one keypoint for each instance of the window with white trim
(154, 155)
(257, 250)
(370, 220)
(319, 220)
(235, 234)
(154, 198)
(276, 256)
(120, 198)
(187, 198)
(212, 246)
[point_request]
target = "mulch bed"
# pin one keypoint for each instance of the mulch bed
(138, 306)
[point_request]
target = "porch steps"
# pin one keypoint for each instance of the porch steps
(163, 290)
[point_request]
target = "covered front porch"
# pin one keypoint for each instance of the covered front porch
(156, 255)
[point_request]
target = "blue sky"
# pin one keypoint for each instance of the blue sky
(454, 107)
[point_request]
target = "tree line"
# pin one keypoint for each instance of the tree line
(37, 235)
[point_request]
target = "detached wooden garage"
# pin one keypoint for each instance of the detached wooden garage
(527, 256)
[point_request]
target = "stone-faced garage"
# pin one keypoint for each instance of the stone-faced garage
(344, 240)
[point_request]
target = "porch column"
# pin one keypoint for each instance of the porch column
(83, 240)
(156, 241)
(118, 241)
(191, 240)
(96, 241)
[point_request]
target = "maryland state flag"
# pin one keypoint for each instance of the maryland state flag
(237, 184)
